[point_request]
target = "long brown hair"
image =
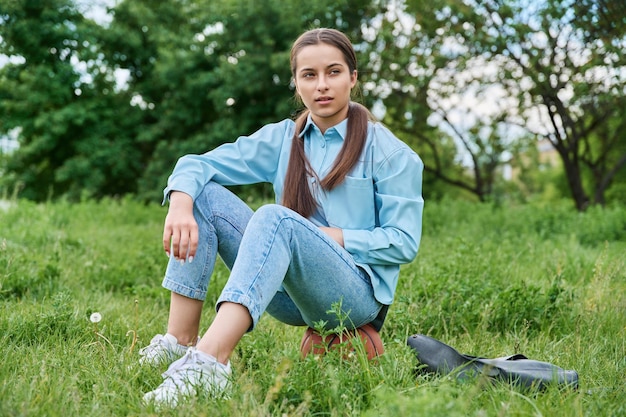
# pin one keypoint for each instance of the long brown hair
(296, 192)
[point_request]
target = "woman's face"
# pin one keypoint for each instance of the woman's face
(324, 81)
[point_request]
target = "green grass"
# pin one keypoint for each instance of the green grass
(544, 281)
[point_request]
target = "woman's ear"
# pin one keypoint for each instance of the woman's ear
(353, 77)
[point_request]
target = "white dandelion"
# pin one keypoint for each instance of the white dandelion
(95, 317)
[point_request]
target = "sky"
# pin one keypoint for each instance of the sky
(96, 9)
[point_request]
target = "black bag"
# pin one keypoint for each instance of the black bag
(437, 357)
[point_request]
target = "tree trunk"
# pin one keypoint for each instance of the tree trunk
(574, 179)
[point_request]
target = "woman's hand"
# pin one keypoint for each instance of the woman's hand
(334, 232)
(180, 233)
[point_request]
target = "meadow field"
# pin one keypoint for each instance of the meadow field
(491, 280)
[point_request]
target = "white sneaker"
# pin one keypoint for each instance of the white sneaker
(195, 373)
(162, 349)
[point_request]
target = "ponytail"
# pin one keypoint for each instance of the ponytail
(297, 193)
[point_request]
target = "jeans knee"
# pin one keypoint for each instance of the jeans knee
(273, 212)
(271, 219)
(209, 193)
(215, 200)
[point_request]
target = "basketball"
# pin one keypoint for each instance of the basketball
(312, 342)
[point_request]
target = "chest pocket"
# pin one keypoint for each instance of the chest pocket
(351, 205)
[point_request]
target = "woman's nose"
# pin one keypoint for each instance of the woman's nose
(322, 85)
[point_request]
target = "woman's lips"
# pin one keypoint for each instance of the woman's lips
(323, 100)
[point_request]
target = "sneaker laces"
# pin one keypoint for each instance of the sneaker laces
(163, 348)
(186, 363)
(156, 343)
(159, 349)
(193, 371)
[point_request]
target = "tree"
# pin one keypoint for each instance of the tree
(555, 78)
(418, 74)
(196, 74)
(575, 86)
(212, 71)
(61, 95)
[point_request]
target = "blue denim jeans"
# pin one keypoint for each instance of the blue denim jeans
(280, 262)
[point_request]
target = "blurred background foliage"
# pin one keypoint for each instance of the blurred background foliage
(503, 99)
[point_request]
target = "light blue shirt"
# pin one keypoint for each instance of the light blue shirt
(378, 206)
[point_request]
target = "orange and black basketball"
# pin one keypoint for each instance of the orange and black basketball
(312, 341)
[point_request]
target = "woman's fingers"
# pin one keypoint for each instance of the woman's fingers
(180, 233)
(180, 240)
(193, 243)
(167, 239)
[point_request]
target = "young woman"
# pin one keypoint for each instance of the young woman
(349, 213)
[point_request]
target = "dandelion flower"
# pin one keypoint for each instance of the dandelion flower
(95, 317)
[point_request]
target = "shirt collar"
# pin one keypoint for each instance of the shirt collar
(341, 128)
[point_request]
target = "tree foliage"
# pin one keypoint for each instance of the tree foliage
(408, 59)
(106, 109)
(194, 74)
(547, 70)
(61, 95)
